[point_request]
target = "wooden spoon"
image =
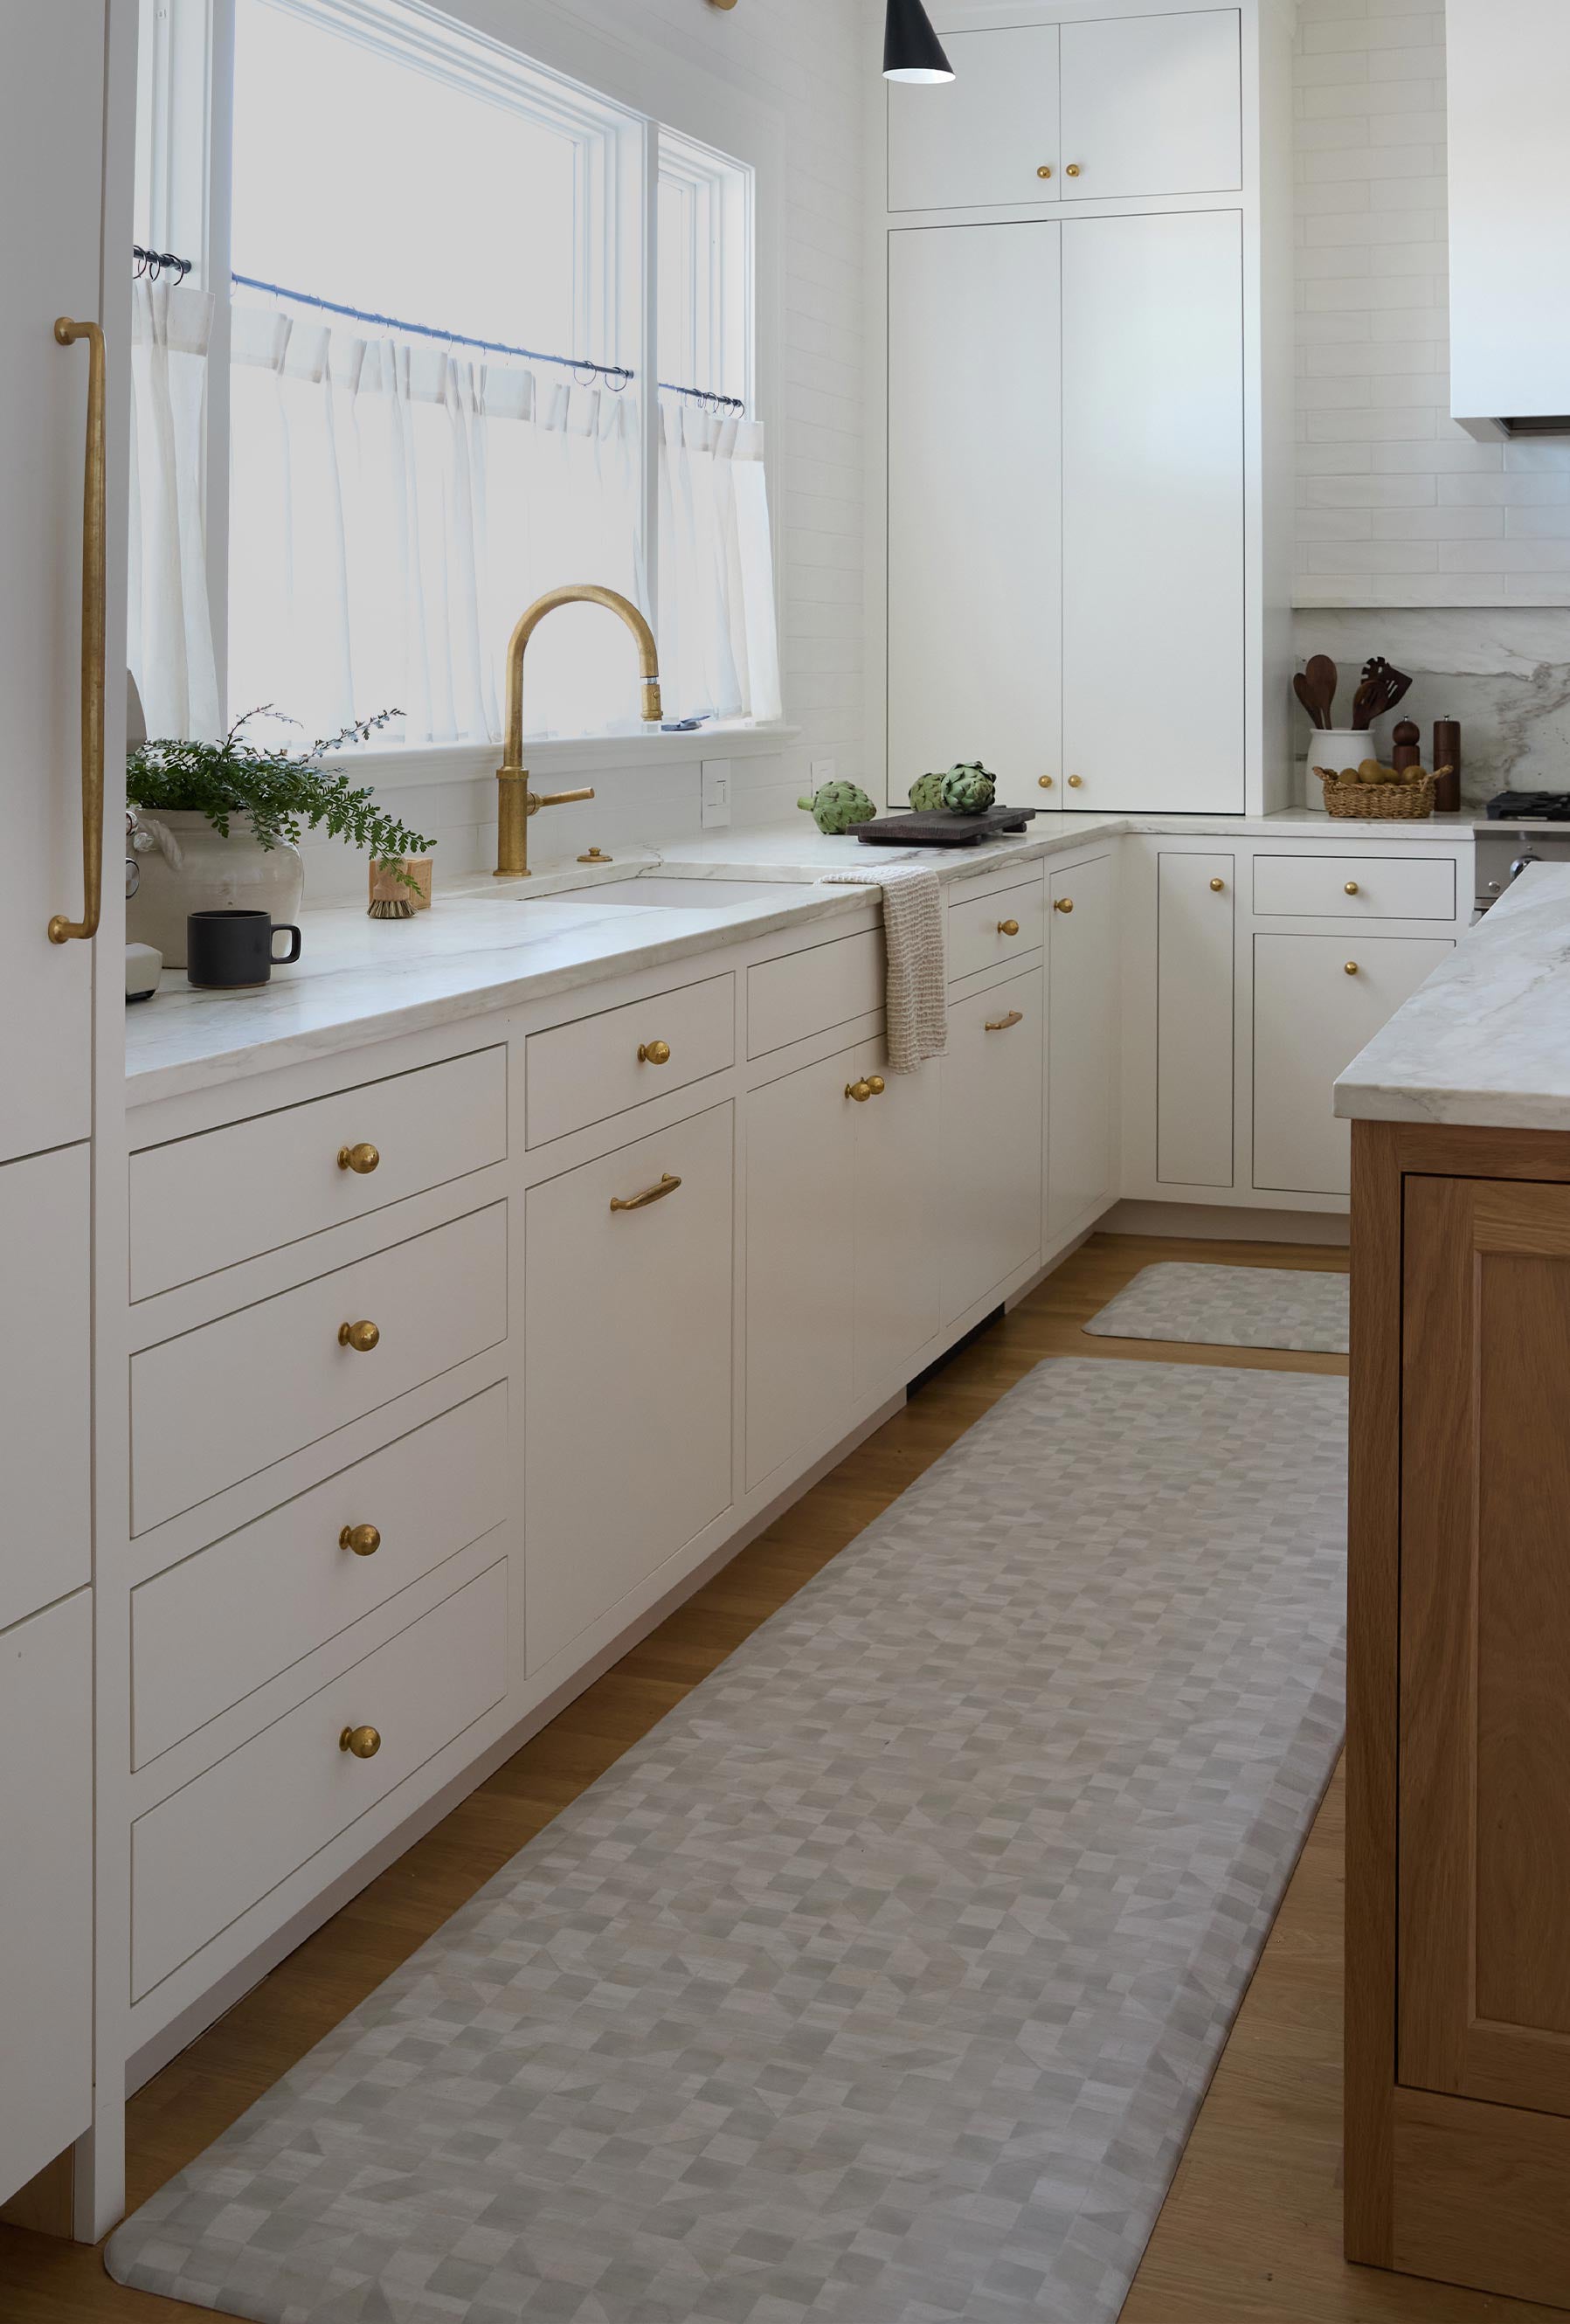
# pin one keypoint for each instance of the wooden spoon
(1308, 697)
(1322, 679)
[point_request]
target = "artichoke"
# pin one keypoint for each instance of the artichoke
(968, 789)
(838, 807)
(927, 793)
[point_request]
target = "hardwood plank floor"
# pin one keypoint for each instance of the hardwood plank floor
(1250, 2231)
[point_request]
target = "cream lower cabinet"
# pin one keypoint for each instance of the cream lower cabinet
(1318, 999)
(992, 1139)
(1082, 1050)
(1195, 987)
(842, 1283)
(627, 1370)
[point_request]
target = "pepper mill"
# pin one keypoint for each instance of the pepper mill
(1406, 753)
(1447, 755)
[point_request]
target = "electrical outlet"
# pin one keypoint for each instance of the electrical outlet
(717, 793)
(823, 772)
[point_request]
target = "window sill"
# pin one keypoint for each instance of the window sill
(403, 768)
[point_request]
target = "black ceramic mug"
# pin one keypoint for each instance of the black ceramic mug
(233, 949)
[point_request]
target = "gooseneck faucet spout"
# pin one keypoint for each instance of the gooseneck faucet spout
(515, 801)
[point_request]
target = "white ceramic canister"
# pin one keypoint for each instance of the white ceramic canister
(192, 867)
(1340, 747)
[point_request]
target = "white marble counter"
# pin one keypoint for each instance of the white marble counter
(1486, 1041)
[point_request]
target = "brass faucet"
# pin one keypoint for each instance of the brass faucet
(515, 801)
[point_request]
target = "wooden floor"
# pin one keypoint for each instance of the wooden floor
(1251, 2232)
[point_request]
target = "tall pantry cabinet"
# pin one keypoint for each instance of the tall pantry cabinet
(69, 68)
(1084, 283)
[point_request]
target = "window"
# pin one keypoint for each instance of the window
(435, 399)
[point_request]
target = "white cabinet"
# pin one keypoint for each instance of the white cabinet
(627, 1370)
(801, 1226)
(1082, 1053)
(46, 1887)
(1318, 999)
(1195, 914)
(45, 1339)
(974, 572)
(988, 135)
(1151, 104)
(898, 1222)
(992, 1139)
(1153, 615)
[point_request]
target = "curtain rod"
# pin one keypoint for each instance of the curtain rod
(154, 263)
(617, 374)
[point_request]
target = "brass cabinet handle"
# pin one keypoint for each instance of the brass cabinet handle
(363, 1741)
(1352, 968)
(361, 1337)
(668, 1185)
(1075, 783)
(361, 1160)
(1063, 904)
(1008, 927)
(1005, 1024)
(95, 522)
(1071, 170)
(860, 1091)
(653, 1053)
(1045, 171)
(1350, 888)
(1217, 887)
(876, 1085)
(1045, 781)
(364, 1540)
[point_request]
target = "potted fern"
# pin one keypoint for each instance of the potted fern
(216, 826)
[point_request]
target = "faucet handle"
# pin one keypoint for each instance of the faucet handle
(537, 799)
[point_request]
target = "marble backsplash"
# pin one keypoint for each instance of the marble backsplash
(1504, 673)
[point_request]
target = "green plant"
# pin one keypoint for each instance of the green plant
(283, 793)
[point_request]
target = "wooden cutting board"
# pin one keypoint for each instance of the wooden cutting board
(941, 828)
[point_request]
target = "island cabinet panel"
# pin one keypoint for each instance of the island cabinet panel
(1485, 1850)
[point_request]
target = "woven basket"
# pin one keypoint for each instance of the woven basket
(1371, 802)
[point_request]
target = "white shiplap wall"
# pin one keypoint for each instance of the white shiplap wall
(1397, 504)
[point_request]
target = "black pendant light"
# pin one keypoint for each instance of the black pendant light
(912, 51)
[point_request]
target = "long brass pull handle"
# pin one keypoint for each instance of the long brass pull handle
(668, 1185)
(94, 520)
(1005, 1024)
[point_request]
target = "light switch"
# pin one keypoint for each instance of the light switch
(717, 793)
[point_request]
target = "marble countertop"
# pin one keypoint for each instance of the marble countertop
(488, 943)
(1486, 1041)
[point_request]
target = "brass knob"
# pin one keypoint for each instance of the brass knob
(653, 1053)
(361, 1337)
(1008, 927)
(1063, 904)
(860, 1091)
(1045, 781)
(1074, 782)
(363, 1540)
(1071, 170)
(1350, 889)
(1045, 171)
(361, 1160)
(1217, 887)
(1352, 968)
(876, 1085)
(363, 1741)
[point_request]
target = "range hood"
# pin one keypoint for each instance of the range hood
(1508, 65)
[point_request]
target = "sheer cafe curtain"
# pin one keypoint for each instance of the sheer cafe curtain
(170, 644)
(394, 508)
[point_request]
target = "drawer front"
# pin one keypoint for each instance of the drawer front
(1355, 887)
(988, 931)
(806, 992)
(992, 1138)
(214, 1849)
(222, 1403)
(579, 1073)
(202, 1204)
(218, 1626)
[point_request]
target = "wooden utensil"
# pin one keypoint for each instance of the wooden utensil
(1324, 679)
(1308, 697)
(1382, 688)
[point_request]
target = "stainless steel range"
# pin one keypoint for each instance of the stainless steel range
(1523, 827)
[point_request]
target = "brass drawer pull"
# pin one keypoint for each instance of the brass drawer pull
(668, 1185)
(1350, 888)
(1003, 1024)
(1008, 927)
(361, 1160)
(876, 1084)
(361, 1337)
(1075, 783)
(1352, 968)
(1045, 171)
(860, 1091)
(1218, 887)
(1071, 170)
(653, 1053)
(363, 1741)
(1045, 781)
(363, 1539)
(1063, 904)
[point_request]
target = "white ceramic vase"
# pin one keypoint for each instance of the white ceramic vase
(192, 867)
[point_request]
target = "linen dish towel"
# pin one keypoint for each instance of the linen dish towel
(916, 1009)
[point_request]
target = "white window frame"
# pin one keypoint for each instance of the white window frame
(667, 113)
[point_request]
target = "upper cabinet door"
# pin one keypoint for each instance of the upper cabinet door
(989, 134)
(1152, 105)
(51, 112)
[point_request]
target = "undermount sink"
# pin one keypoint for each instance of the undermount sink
(653, 894)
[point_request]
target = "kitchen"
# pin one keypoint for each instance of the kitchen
(876, 1264)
